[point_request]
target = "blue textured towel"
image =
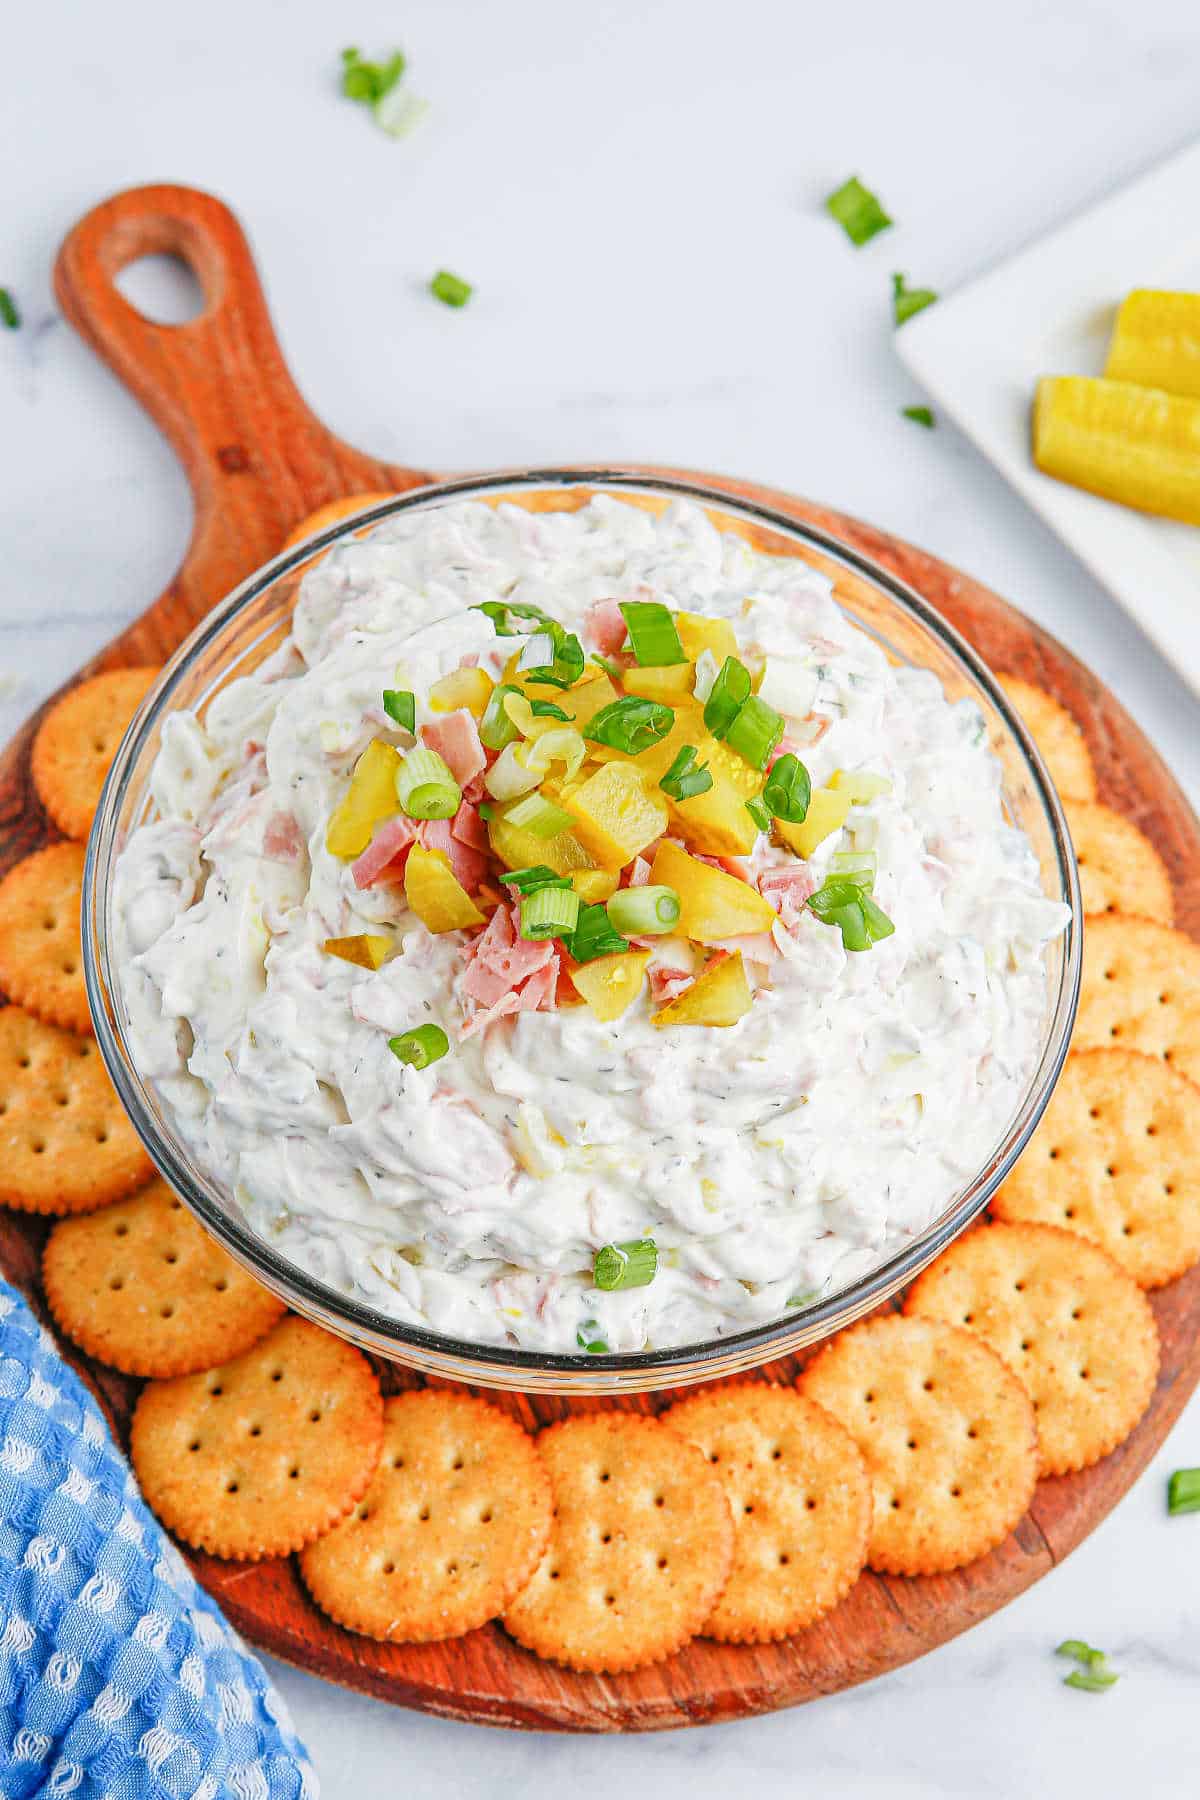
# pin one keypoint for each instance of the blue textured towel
(118, 1675)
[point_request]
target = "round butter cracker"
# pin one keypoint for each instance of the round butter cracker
(1119, 868)
(41, 960)
(77, 740)
(1141, 991)
(1058, 737)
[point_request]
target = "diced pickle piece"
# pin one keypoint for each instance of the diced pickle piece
(370, 797)
(594, 886)
(827, 813)
(720, 995)
(861, 786)
(469, 688)
(670, 684)
(716, 821)
(713, 904)
(610, 984)
(434, 893)
(519, 849)
(616, 814)
(1156, 342)
(1126, 443)
(697, 634)
(367, 950)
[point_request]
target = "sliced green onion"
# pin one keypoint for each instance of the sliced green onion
(729, 693)
(546, 709)
(537, 814)
(643, 911)
(788, 790)
(549, 912)
(805, 1299)
(1078, 1651)
(485, 811)
(496, 729)
(683, 781)
(630, 724)
(400, 705)
(920, 415)
(8, 311)
(857, 866)
(629, 1265)
(653, 637)
(425, 787)
(561, 656)
(833, 892)
(841, 901)
(1094, 1676)
(757, 807)
(906, 301)
(594, 936)
(611, 668)
(450, 289)
(368, 82)
(526, 881)
(421, 1046)
(595, 1346)
(510, 775)
(878, 923)
(755, 732)
(1183, 1492)
(857, 211)
(502, 613)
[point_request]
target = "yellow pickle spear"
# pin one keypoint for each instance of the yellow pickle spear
(1156, 342)
(1133, 444)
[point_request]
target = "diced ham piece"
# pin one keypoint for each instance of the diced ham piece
(606, 626)
(469, 828)
(282, 838)
(787, 888)
(732, 865)
(639, 874)
(469, 866)
(470, 661)
(384, 857)
(785, 747)
(497, 967)
(455, 738)
(667, 984)
(479, 1021)
(540, 991)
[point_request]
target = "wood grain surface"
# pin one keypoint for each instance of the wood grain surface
(258, 462)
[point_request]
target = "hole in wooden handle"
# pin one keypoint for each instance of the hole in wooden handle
(163, 288)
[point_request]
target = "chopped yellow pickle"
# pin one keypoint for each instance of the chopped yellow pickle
(670, 684)
(860, 785)
(827, 813)
(370, 797)
(518, 849)
(1156, 342)
(469, 688)
(698, 634)
(609, 984)
(367, 950)
(434, 893)
(720, 995)
(1133, 444)
(713, 904)
(616, 815)
(716, 821)
(594, 886)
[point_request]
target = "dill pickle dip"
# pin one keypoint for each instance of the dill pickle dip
(560, 1111)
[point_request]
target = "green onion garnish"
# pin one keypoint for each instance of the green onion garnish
(400, 705)
(842, 901)
(652, 634)
(857, 211)
(486, 811)
(630, 724)
(421, 1046)
(526, 881)
(755, 732)
(1094, 1676)
(496, 729)
(549, 912)
(537, 814)
(450, 289)
(730, 692)
(552, 655)
(683, 781)
(920, 415)
(425, 787)
(1183, 1492)
(368, 82)
(629, 1265)
(857, 866)
(611, 668)
(8, 310)
(878, 923)
(757, 807)
(643, 911)
(788, 790)
(503, 613)
(594, 936)
(906, 301)
(595, 1346)
(546, 709)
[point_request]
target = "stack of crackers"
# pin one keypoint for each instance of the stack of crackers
(910, 1444)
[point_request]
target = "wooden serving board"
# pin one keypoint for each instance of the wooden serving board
(258, 462)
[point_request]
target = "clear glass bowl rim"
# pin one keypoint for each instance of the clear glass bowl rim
(500, 1365)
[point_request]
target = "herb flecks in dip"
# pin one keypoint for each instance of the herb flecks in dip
(579, 935)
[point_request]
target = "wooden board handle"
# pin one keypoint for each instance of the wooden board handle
(257, 458)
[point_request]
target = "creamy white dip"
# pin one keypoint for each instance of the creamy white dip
(770, 1161)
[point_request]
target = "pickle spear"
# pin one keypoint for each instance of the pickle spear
(1156, 342)
(1133, 444)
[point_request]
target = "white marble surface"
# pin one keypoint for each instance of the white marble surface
(635, 191)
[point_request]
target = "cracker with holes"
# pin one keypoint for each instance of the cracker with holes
(640, 1548)
(66, 1145)
(449, 1531)
(948, 1434)
(1075, 1329)
(1116, 1158)
(259, 1456)
(800, 1497)
(143, 1287)
(41, 963)
(1141, 991)
(76, 742)
(1119, 868)
(1061, 742)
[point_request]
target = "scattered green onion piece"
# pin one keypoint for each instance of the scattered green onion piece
(8, 311)
(643, 911)
(400, 705)
(842, 902)
(1091, 1681)
(549, 912)
(594, 936)
(425, 787)
(920, 415)
(421, 1046)
(537, 814)
(908, 301)
(857, 211)
(368, 82)
(683, 781)
(611, 668)
(834, 891)
(788, 790)
(1183, 1492)
(450, 289)
(755, 733)
(653, 637)
(629, 1265)
(546, 709)
(730, 692)
(496, 729)
(630, 724)
(857, 866)
(502, 613)
(595, 1346)
(527, 881)
(759, 811)
(1078, 1651)
(852, 924)
(878, 923)
(564, 653)
(485, 811)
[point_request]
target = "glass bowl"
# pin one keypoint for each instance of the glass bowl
(247, 626)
